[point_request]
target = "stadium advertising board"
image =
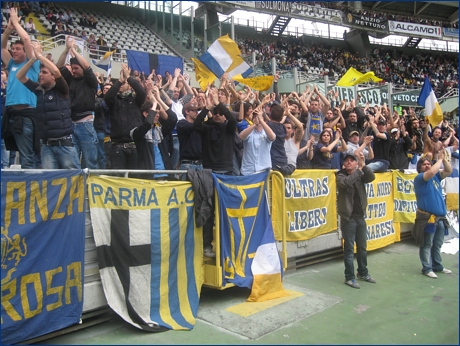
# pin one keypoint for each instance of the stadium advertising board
(376, 96)
(367, 21)
(299, 10)
(451, 32)
(415, 29)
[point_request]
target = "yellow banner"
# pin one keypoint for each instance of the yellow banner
(138, 194)
(405, 203)
(381, 228)
(308, 198)
(203, 74)
(260, 83)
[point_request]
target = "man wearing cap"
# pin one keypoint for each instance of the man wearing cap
(83, 86)
(351, 206)
(399, 145)
(430, 220)
(381, 160)
(354, 148)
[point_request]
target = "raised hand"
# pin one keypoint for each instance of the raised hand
(338, 134)
(361, 162)
(177, 72)
(14, 15)
(368, 139)
(149, 85)
(69, 43)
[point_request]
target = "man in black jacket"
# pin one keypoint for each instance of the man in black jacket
(54, 124)
(218, 143)
(100, 125)
(352, 204)
(83, 86)
(125, 115)
(399, 145)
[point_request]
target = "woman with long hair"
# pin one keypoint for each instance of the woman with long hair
(324, 149)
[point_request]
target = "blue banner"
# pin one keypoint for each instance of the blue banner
(244, 220)
(451, 32)
(43, 246)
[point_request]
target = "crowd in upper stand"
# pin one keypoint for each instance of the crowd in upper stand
(383, 15)
(391, 64)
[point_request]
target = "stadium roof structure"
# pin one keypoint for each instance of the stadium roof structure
(446, 11)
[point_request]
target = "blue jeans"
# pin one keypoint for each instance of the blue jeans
(25, 143)
(5, 156)
(430, 252)
(85, 140)
(186, 166)
(55, 157)
(377, 167)
(176, 152)
(354, 230)
(101, 150)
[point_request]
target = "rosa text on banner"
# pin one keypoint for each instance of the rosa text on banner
(43, 243)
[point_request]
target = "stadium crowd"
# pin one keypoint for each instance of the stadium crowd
(391, 64)
(383, 15)
(160, 122)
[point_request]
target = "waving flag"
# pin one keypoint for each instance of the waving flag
(105, 63)
(353, 77)
(145, 62)
(428, 100)
(248, 250)
(224, 56)
(150, 255)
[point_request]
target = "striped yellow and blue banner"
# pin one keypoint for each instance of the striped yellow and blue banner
(149, 253)
(248, 248)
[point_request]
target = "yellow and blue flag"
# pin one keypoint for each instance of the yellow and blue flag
(149, 254)
(248, 250)
(428, 100)
(224, 56)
